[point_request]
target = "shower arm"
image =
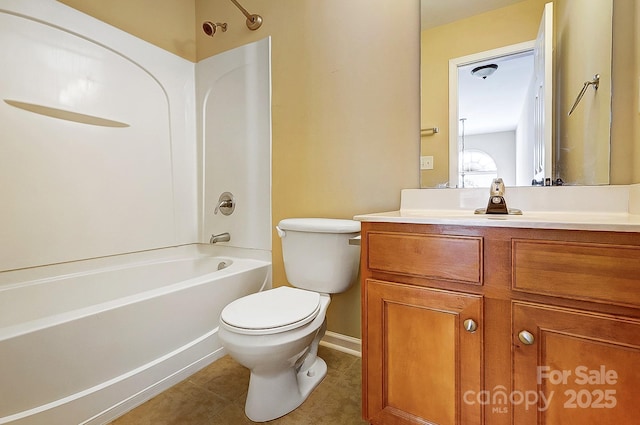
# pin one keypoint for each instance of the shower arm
(253, 21)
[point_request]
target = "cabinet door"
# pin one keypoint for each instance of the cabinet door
(419, 357)
(574, 367)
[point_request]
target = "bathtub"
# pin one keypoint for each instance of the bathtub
(84, 342)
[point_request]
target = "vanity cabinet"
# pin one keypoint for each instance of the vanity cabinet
(420, 354)
(576, 368)
(502, 326)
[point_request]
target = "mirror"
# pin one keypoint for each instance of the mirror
(593, 145)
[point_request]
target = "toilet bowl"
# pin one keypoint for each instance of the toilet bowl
(276, 333)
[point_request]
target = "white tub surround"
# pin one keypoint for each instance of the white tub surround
(74, 187)
(111, 145)
(234, 123)
(113, 156)
(613, 208)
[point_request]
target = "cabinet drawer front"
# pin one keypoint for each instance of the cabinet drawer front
(588, 271)
(437, 256)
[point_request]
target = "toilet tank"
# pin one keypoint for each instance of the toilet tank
(317, 254)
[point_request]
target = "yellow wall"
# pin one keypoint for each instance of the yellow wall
(583, 139)
(169, 24)
(498, 28)
(345, 109)
(625, 128)
(345, 77)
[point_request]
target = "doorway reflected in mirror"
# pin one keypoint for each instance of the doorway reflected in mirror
(493, 118)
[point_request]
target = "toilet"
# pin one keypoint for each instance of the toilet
(275, 333)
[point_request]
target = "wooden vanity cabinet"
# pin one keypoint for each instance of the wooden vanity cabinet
(422, 344)
(576, 365)
(581, 367)
(420, 357)
(500, 326)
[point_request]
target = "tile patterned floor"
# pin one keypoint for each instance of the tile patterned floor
(216, 395)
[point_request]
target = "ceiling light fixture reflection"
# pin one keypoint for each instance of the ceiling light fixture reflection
(484, 71)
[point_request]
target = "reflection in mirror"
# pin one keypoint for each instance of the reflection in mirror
(583, 49)
(488, 109)
(508, 22)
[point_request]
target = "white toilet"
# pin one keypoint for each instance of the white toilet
(275, 333)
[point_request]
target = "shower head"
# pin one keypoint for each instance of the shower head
(253, 22)
(209, 27)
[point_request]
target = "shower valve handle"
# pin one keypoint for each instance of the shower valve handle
(226, 205)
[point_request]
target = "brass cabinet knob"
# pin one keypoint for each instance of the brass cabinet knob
(526, 337)
(470, 325)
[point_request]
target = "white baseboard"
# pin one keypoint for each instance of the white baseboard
(343, 343)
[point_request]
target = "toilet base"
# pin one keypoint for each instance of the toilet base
(271, 397)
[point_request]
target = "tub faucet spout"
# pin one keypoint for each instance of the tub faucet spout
(222, 237)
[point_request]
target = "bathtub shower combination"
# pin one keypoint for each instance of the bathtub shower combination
(75, 343)
(110, 159)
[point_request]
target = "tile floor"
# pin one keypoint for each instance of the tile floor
(216, 395)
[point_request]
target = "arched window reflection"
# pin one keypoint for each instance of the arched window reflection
(478, 168)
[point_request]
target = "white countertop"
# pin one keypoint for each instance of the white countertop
(618, 222)
(604, 208)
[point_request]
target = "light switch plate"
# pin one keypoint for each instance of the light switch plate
(426, 162)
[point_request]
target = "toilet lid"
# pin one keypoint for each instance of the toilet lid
(275, 310)
(320, 225)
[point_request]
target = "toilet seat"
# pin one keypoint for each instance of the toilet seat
(272, 311)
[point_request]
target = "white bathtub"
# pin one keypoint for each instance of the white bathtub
(84, 342)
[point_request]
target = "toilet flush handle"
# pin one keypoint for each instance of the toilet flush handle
(281, 232)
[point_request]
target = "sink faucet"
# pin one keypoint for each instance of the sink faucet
(497, 204)
(222, 237)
